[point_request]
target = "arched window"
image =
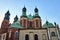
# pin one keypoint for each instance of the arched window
(24, 23)
(52, 33)
(36, 23)
(35, 37)
(30, 24)
(21, 22)
(16, 34)
(26, 37)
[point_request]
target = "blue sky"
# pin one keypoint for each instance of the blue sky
(48, 9)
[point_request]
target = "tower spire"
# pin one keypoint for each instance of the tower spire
(5, 23)
(24, 12)
(7, 15)
(46, 21)
(24, 9)
(36, 10)
(16, 18)
(36, 13)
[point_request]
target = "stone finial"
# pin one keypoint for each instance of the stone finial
(16, 18)
(55, 23)
(47, 22)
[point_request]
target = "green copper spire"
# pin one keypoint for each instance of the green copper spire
(36, 13)
(24, 12)
(36, 10)
(50, 25)
(16, 25)
(24, 9)
(16, 18)
(30, 17)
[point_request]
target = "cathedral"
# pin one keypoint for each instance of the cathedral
(28, 27)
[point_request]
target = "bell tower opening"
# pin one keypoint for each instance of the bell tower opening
(37, 19)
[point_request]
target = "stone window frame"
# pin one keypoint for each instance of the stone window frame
(35, 37)
(24, 23)
(26, 37)
(30, 24)
(21, 22)
(53, 34)
(16, 34)
(36, 23)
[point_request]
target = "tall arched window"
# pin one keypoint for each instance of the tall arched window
(52, 33)
(24, 23)
(26, 37)
(30, 24)
(36, 23)
(35, 37)
(16, 34)
(21, 22)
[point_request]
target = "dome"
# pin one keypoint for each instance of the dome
(24, 9)
(24, 12)
(30, 17)
(16, 25)
(36, 9)
(50, 25)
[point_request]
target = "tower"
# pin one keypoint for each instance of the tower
(15, 19)
(5, 22)
(12, 31)
(37, 19)
(23, 19)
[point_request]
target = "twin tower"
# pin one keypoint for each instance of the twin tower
(26, 21)
(29, 21)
